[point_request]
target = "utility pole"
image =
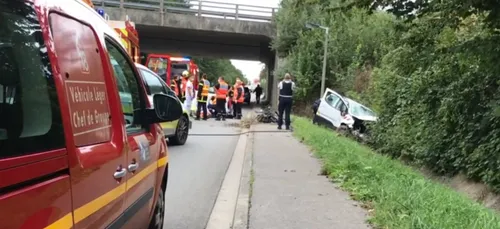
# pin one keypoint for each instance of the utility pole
(325, 53)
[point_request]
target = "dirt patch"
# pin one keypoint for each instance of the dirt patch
(474, 190)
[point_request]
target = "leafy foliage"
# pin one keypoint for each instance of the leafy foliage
(429, 68)
(214, 68)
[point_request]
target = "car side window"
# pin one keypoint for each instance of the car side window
(332, 99)
(128, 86)
(153, 83)
(341, 106)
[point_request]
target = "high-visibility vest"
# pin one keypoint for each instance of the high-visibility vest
(221, 93)
(235, 96)
(174, 87)
(204, 92)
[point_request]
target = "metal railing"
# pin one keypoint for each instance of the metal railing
(199, 8)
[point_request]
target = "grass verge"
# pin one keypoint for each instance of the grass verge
(399, 196)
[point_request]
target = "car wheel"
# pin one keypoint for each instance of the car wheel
(181, 132)
(343, 129)
(159, 212)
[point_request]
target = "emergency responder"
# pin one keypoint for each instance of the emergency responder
(286, 88)
(238, 98)
(184, 80)
(203, 87)
(230, 103)
(258, 93)
(175, 85)
(189, 95)
(221, 89)
(212, 106)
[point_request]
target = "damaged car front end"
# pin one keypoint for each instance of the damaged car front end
(358, 118)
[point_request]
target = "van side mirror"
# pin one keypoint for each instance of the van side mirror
(167, 108)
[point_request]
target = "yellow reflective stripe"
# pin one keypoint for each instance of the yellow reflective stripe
(64, 222)
(93, 206)
(88, 209)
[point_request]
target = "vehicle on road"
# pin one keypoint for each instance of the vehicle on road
(176, 131)
(161, 65)
(68, 158)
(181, 64)
(343, 113)
(128, 36)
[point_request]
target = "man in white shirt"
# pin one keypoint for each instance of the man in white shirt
(286, 88)
(189, 94)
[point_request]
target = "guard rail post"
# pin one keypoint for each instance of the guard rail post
(122, 9)
(162, 12)
(237, 10)
(199, 8)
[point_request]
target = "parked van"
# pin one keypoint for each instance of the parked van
(68, 157)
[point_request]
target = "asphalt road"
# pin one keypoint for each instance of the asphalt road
(197, 170)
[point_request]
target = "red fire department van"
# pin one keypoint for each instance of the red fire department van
(68, 159)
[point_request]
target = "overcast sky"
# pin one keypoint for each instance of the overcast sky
(251, 69)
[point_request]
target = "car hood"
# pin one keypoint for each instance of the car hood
(365, 118)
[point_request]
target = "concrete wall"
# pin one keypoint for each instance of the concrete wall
(185, 21)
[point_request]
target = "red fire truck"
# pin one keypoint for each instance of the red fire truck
(167, 66)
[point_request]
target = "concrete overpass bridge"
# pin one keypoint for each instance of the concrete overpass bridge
(201, 28)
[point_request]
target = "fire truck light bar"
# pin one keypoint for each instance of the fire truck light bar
(180, 59)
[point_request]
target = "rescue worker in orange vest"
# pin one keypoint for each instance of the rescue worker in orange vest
(175, 85)
(221, 89)
(203, 87)
(184, 80)
(238, 98)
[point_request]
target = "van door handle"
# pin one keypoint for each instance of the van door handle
(120, 174)
(132, 167)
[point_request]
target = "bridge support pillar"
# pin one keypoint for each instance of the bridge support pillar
(273, 81)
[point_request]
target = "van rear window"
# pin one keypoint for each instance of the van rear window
(30, 119)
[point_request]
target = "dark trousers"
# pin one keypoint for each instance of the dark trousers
(284, 106)
(221, 108)
(201, 105)
(237, 110)
(213, 109)
(257, 98)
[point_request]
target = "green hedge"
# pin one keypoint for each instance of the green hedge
(434, 81)
(438, 102)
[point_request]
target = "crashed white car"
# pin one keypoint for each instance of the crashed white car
(337, 111)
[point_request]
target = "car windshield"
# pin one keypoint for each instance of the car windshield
(357, 109)
(30, 118)
(178, 68)
(158, 65)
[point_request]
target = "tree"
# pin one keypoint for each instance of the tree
(214, 68)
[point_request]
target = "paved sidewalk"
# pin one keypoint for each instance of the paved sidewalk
(287, 191)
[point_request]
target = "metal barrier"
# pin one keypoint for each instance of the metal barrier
(199, 8)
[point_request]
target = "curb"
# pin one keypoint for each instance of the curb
(224, 210)
(241, 215)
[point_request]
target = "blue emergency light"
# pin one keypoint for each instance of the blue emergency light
(100, 12)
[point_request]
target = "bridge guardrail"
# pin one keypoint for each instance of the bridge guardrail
(199, 8)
